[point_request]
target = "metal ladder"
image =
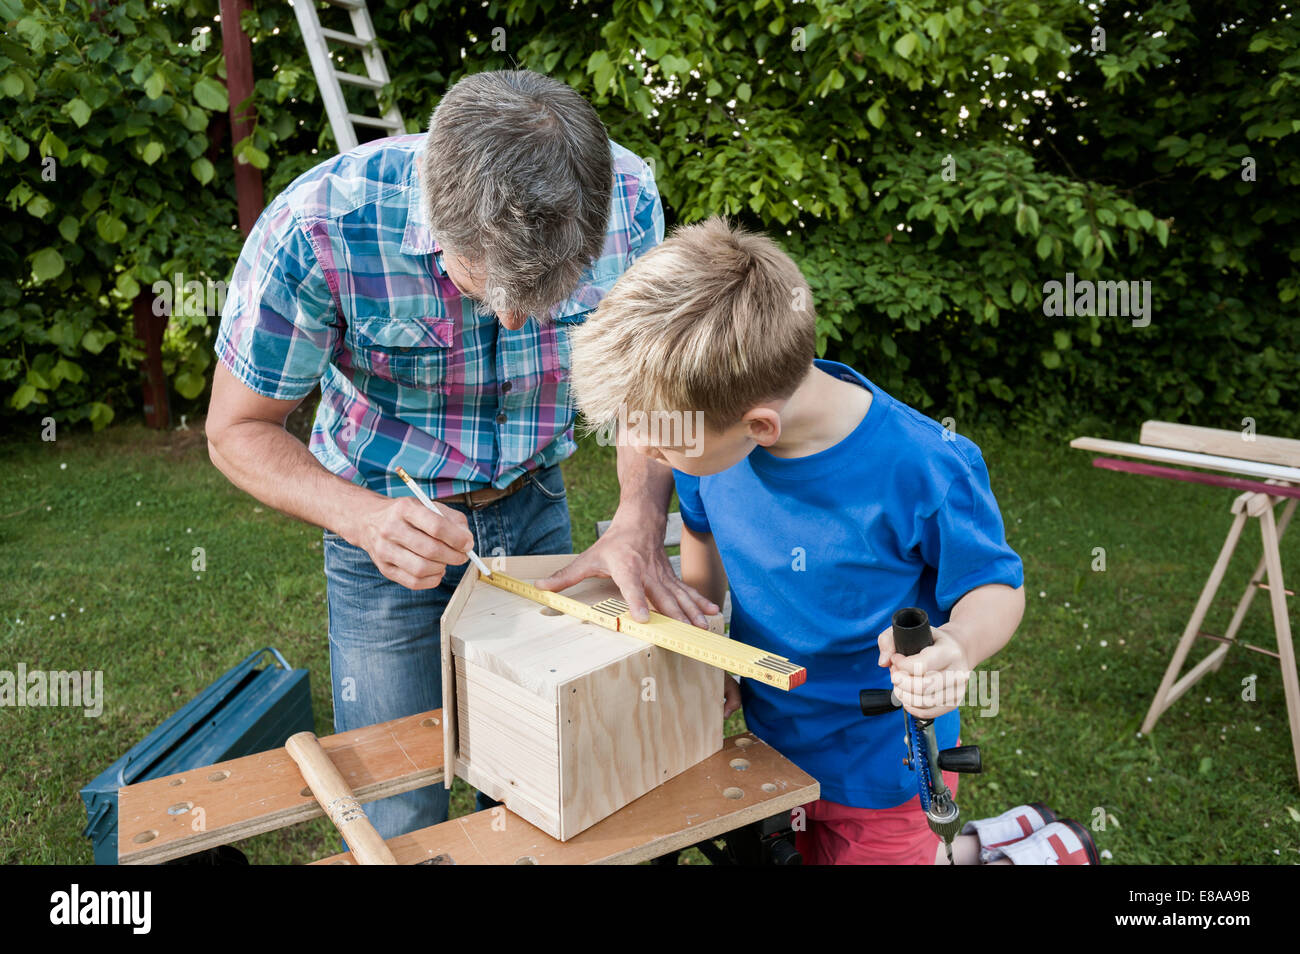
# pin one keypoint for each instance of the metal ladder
(329, 78)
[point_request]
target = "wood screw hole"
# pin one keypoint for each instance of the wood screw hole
(740, 764)
(769, 787)
(733, 793)
(743, 743)
(145, 836)
(306, 792)
(176, 781)
(526, 860)
(431, 721)
(219, 776)
(548, 611)
(180, 808)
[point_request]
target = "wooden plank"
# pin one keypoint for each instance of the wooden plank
(455, 606)
(508, 741)
(516, 697)
(243, 797)
(1188, 459)
(1212, 440)
(1282, 626)
(543, 817)
(690, 808)
(632, 726)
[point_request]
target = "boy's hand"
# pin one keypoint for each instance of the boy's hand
(730, 695)
(933, 681)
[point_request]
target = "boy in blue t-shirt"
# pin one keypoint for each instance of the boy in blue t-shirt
(824, 504)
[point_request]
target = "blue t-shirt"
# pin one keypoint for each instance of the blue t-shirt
(820, 551)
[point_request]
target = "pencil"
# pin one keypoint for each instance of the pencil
(421, 496)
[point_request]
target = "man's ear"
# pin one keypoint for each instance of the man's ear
(764, 425)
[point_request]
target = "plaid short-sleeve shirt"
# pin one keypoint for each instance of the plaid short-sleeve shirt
(341, 282)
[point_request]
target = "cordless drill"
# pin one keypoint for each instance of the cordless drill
(911, 635)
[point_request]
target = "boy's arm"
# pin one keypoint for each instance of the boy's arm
(933, 681)
(985, 619)
(702, 566)
(702, 569)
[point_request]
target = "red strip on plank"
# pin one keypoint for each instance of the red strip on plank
(1196, 477)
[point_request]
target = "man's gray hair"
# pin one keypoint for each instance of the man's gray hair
(518, 177)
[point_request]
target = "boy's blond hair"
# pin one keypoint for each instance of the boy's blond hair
(715, 320)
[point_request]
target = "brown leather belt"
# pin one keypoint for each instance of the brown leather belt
(478, 499)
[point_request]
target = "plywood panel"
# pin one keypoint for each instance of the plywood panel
(530, 645)
(631, 726)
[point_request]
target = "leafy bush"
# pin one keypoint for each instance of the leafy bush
(930, 164)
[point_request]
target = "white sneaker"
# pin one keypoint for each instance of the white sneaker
(1063, 842)
(1011, 826)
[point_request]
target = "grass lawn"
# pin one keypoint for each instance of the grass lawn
(96, 534)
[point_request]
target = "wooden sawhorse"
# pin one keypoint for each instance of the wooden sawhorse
(182, 814)
(1273, 460)
(1250, 505)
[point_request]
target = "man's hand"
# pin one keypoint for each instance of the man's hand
(933, 681)
(633, 557)
(730, 695)
(411, 544)
(631, 552)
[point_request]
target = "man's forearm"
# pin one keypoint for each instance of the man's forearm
(272, 465)
(985, 619)
(645, 487)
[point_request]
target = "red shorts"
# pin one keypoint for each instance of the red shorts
(836, 834)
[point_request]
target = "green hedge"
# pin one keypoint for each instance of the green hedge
(930, 165)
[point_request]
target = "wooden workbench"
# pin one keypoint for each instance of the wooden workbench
(745, 782)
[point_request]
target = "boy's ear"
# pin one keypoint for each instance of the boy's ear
(764, 425)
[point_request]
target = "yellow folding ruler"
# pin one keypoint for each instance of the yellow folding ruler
(666, 632)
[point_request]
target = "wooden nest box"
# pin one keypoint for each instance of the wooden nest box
(563, 720)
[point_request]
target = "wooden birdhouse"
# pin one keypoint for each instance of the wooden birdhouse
(563, 720)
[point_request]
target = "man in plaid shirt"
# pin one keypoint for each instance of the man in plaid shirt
(426, 283)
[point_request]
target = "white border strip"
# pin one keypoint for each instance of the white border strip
(1188, 458)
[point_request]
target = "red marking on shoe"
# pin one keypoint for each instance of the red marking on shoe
(1065, 857)
(1025, 827)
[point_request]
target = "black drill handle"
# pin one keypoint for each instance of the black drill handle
(912, 631)
(877, 701)
(965, 759)
(911, 635)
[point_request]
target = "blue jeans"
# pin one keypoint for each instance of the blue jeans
(385, 659)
